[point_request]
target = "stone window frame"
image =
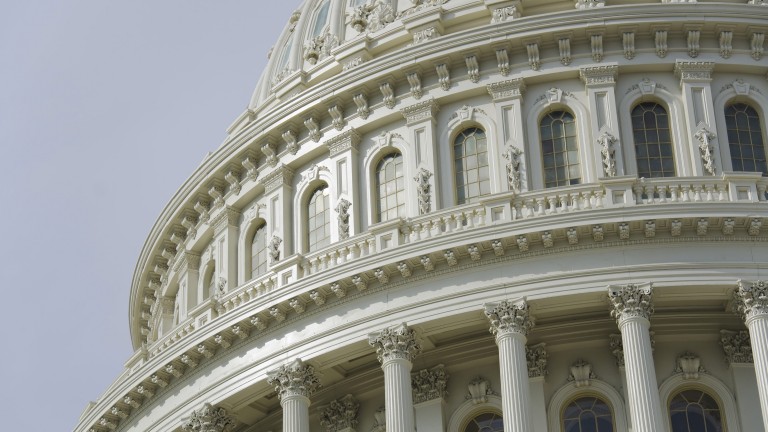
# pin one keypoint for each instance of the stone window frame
(597, 388)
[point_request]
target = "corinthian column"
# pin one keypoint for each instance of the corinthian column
(632, 308)
(510, 323)
(294, 384)
(208, 419)
(396, 348)
(751, 302)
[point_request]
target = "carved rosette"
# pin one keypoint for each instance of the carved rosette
(395, 343)
(429, 384)
(208, 419)
(750, 299)
(536, 356)
(508, 317)
(340, 414)
(736, 346)
(294, 379)
(630, 301)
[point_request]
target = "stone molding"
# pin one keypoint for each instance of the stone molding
(630, 301)
(694, 71)
(599, 76)
(281, 176)
(344, 141)
(504, 90)
(509, 317)
(294, 379)
(422, 111)
(737, 346)
(393, 343)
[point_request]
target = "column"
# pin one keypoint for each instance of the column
(294, 383)
(604, 149)
(738, 354)
(421, 119)
(700, 132)
(508, 100)
(510, 323)
(208, 419)
(631, 306)
(751, 302)
(396, 348)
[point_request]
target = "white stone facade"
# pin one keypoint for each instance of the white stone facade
(398, 186)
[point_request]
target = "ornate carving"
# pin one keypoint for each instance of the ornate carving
(598, 233)
(596, 43)
(473, 68)
(313, 127)
(297, 304)
(750, 299)
(514, 177)
(340, 414)
(564, 45)
(547, 240)
(498, 247)
(513, 88)
(508, 317)
(270, 151)
(502, 59)
(572, 235)
(608, 152)
(599, 75)
(689, 364)
(728, 226)
(726, 43)
(395, 343)
(426, 261)
(506, 13)
(660, 40)
(628, 301)
(693, 71)
(294, 379)
(754, 226)
(423, 190)
(208, 419)
(361, 101)
(474, 252)
(478, 390)
(317, 297)
(404, 269)
(359, 283)
(249, 164)
(274, 248)
(388, 93)
(344, 141)
(589, 4)
(424, 35)
(338, 290)
(320, 47)
(380, 420)
(676, 227)
(628, 42)
(429, 384)
(443, 76)
(702, 225)
(342, 208)
(450, 257)
(381, 275)
(536, 356)
(522, 243)
(706, 148)
(617, 348)
(414, 80)
(372, 16)
(534, 60)
(756, 45)
(737, 346)
(421, 111)
(694, 36)
(291, 141)
(581, 373)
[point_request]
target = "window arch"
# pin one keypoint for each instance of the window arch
(259, 251)
(560, 149)
(285, 56)
(319, 219)
(745, 138)
(588, 413)
(695, 410)
(390, 186)
(470, 161)
(653, 142)
(485, 422)
(209, 280)
(321, 19)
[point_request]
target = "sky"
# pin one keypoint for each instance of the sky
(106, 107)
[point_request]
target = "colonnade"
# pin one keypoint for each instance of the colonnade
(631, 306)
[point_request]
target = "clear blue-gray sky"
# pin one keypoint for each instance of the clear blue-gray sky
(105, 108)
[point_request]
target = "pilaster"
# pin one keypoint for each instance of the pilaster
(421, 121)
(279, 199)
(604, 148)
(738, 353)
(429, 392)
(537, 356)
(632, 307)
(510, 323)
(226, 230)
(750, 300)
(345, 194)
(701, 133)
(507, 101)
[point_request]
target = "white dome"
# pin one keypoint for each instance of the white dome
(598, 165)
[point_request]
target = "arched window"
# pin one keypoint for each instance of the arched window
(745, 138)
(695, 410)
(470, 157)
(259, 252)
(390, 185)
(560, 149)
(653, 142)
(319, 219)
(485, 422)
(588, 414)
(209, 286)
(321, 19)
(285, 56)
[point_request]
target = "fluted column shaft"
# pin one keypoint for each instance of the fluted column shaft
(751, 302)
(295, 413)
(642, 388)
(396, 348)
(398, 396)
(632, 309)
(510, 323)
(515, 390)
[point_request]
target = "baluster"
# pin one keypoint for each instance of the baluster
(540, 203)
(469, 218)
(480, 217)
(528, 208)
(638, 190)
(686, 193)
(517, 209)
(761, 188)
(722, 194)
(551, 205)
(599, 199)
(696, 193)
(661, 190)
(710, 188)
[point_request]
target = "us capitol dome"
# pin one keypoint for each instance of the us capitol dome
(470, 215)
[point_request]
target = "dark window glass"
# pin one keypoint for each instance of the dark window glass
(653, 145)
(560, 149)
(695, 411)
(588, 414)
(745, 138)
(470, 161)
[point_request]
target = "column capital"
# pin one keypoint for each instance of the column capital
(208, 419)
(599, 76)
(294, 379)
(509, 317)
(421, 111)
(397, 342)
(737, 346)
(631, 301)
(536, 355)
(504, 90)
(340, 414)
(344, 141)
(750, 299)
(694, 71)
(429, 384)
